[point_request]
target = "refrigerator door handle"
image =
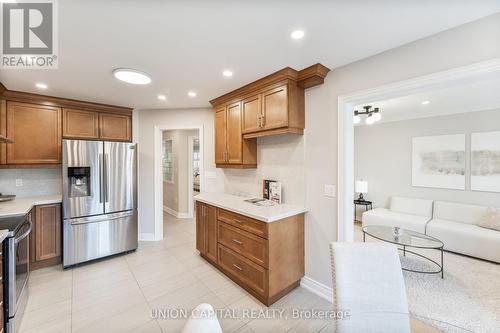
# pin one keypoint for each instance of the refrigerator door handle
(105, 177)
(101, 166)
(99, 218)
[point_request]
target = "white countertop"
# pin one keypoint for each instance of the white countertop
(3, 235)
(238, 205)
(21, 206)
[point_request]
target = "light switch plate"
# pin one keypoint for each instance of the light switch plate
(19, 182)
(330, 191)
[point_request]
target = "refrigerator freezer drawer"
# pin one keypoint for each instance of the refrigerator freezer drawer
(98, 236)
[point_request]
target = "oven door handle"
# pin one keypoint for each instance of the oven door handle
(23, 236)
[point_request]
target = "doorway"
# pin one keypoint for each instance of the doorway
(178, 156)
(347, 105)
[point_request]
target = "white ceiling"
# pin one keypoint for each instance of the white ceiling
(472, 97)
(185, 45)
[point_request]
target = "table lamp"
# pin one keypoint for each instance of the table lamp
(361, 187)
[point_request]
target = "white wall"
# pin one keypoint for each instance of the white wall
(467, 44)
(383, 154)
(170, 119)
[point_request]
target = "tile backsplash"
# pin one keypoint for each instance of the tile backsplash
(35, 182)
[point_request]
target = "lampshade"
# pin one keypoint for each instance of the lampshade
(361, 186)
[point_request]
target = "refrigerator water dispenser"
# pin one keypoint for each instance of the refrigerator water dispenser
(79, 181)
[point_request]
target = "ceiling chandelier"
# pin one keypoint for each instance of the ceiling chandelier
(372, 115)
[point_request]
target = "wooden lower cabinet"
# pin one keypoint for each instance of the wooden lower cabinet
(46, 236)
(266, 259)
(206, 231)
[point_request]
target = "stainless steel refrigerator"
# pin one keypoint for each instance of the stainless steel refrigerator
(99, 199)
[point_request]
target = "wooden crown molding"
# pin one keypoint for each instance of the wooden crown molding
(308, 77)
(19, 96)
(312, 76)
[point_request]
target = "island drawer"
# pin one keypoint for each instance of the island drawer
(243, 270)
(255, 227)
(246, 244)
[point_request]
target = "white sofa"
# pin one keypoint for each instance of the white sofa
(456, 226)
(407, 213)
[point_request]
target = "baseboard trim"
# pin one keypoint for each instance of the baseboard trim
(147, 237)
(176, 214)
(318, 288)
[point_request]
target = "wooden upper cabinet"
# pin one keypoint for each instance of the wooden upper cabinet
(220, 136)
(80, 124)
(115, 127)
(275, 108)
(231, 151)
(251, 113)
(234, 139)
(36, 131)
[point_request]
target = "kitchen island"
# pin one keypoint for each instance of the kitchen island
(259, 247)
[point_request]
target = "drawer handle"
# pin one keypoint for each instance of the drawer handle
(238, 221)
(238, 267)
(238, 242)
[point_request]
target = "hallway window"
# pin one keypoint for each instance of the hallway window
(167, 161)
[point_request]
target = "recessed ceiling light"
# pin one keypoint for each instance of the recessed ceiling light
(132, 76)
(425, 102)
(191, 94)
(162, 97)
(41, 85)
(297, 34)
(227, 73)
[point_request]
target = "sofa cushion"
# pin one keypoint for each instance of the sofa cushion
(490, 219)
(452, 211)
(412, 206)
(383, 216)
(467, 239)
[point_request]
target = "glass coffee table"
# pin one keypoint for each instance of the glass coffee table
(408, 239)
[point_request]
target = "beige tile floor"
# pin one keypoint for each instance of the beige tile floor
(118, 294)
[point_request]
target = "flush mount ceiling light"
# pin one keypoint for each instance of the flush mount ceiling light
(162, 97)
(297, 34)
(425, 102)
(41, 86)
(227, 73)
(191, 94)
(132, 76)
(372, 115)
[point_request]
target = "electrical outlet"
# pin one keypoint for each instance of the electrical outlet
(330, 191)
(19, 182)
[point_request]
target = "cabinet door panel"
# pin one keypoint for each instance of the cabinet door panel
(251, 111)
(211, 232)
(36, 130)
(48, 232)
(200, 228)
(234, 144)
(220, 135)
(115, 127)
(80, 124)
(275, 108)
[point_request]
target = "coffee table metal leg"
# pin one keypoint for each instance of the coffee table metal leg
(364, 236)
(442, 264)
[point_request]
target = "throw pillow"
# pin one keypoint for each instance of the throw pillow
(490, 219)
